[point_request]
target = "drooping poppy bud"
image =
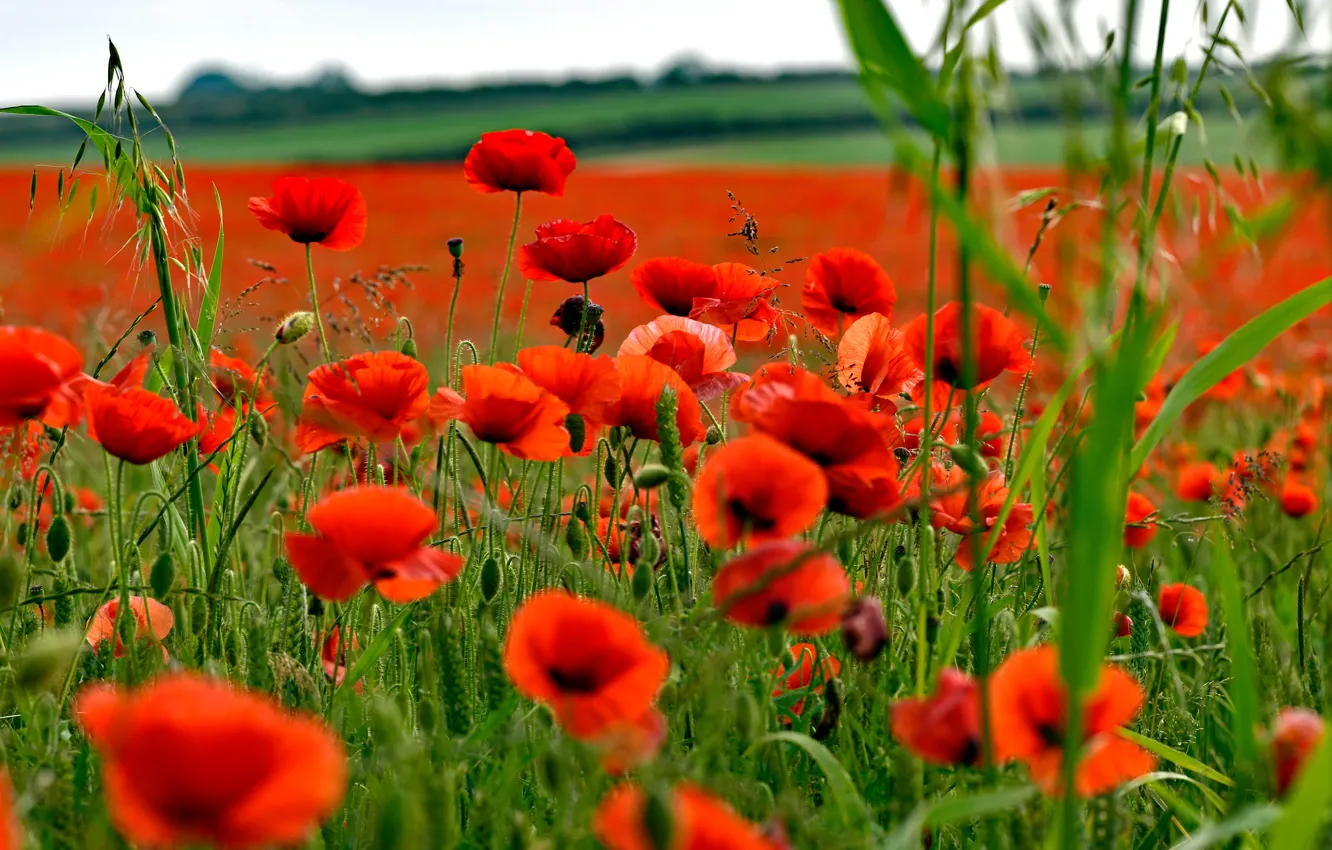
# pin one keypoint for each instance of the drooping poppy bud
(864, 629)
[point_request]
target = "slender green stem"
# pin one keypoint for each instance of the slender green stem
(448, 333)
(504, 278)
(314, 304)
(522, 319)
(926, 532)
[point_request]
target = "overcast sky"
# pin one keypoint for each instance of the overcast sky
(54, 50)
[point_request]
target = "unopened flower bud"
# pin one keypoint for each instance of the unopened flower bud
(864, 629)
(1123, 625)
(294, 327)
(408, 347)
(147, 338)
(456, 247)
(1043, 291)
(714, 435)
(47, 659)
(491, 578)
(902, 454)
(1121, 575)
(57, 539)
(966, 457)
(651, 476)
(569, 318)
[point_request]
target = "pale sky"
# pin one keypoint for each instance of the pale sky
(55, 51)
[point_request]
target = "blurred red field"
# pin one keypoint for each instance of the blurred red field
(77, 274)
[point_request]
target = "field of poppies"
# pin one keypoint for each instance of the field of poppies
(523, 503)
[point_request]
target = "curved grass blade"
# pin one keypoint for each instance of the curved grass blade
(842, 790)
(1175, 757)
(377, 648)
(1249, 819)
(1233, 352)
(953, 809)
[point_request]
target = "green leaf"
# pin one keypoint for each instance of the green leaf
(950, 810)
(1249, 819)
(840, 787)
(1308, 805)
(1164, 776)
(1233, 352)
(1174, 756)
(1243, 685)
(377, 648)
(208, 307)
(887, 59)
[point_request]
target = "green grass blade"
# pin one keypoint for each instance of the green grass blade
(1250, 819)
(842, 790)
(1243, 685)
(953, 809)
(1233, 352)
(1309, 804)
(372, 653)
(207, 322)
(1175, 757)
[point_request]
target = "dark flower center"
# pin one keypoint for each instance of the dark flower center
(748, 520)
(1051, 734)
(777, 612)
(582, 681)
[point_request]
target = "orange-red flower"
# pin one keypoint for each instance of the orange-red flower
(569, 251)
(34, 365)
(755, 488)
(519, 161)
(950, 494)
(997, 345)
(741, 304)
(215, 429)
(135, 425)
(872, 358)
(1183, 609)
(671, 284)
(11, 831)
(1297, 498)
(187, 760)
(1028, 704)
(232, 376)
(370, 535)
(367, 396)
(152, 621)
(1197, 482)
(1295, 735)
(943, 728)
(700, 353)
(700, 821)
(642, 381)
(323, 211)
(505, 407)
(590, 386)
(1139, 521)
(843, 285)
(798, 674)
(783, 582)
(334, 656)
(590, 663)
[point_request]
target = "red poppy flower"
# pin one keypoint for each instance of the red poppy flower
(783, 582)
(799, 675)
(590, 386)
(755, 488)
(136, 425)
(773, 383)
(642, 381)
(1123, 625)
(1297, 498)
(590, 663)
(232, 376)
(323, 211)
(1028, 701)
(370, 535)
(741, 304)
(1139, 521)
(152, 621)
(334, 656)
(187, 760)
(943, 728)
(843, 285)
(11, 831)
(671, 284)
(569, 251)
(700, 353)
(624, 746)
(950, 496)
(854, 450)
(990, 433)
(371, 396)
(34, 365)
(997, 346)
(872, 358)
(505, 407)
(519, 161)
(1295, 735)
(1183, 609)
(215, 429)
(1197, 482)
(699, 821)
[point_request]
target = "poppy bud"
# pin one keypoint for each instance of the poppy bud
(408, 347)
(864, 629)
(582, 511)
(162, 575)
(577, 540)
(906, 575)
(456, 247)
(70, 504)
(16, 499)
(57, 539)
(11, 579)
(1123, 625)
(714, 435)
(491, 576)
(294, 327)
(658, 822)
(1043, 291)
(147, 338)
(577, 428)
(21, 534)
(651, 476)
(966, 457)
(47, 659)
(569, 318)
(649, 548)
(611, 470)
(931, 629)
(902, 454)
(1121, 575)
(259, 430)
(642, 580)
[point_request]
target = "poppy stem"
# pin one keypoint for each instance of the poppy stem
(504, 278)
(522, 320)
(314, 304)
(582, 344)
